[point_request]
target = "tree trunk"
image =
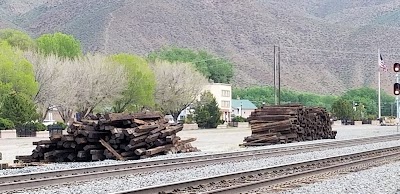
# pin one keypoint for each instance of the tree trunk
(175, 116)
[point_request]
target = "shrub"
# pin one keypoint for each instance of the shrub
(239, 119)
(189, 119)
(58, 125)
(35, 126)
(6, 124)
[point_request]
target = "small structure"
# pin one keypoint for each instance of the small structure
(242, 108)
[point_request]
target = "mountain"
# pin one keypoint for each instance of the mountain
(327, 46)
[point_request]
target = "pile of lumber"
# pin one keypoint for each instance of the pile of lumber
(112, 136)
(287, 124)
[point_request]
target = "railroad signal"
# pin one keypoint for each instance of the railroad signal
(396, 67)
(396, 89)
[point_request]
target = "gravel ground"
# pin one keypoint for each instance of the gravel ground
(383, 179)
(208, 141)
(113, 184)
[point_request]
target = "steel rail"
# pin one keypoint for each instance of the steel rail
(37, 179)
(331, 164)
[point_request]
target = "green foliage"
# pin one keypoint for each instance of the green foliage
(189, 119)
(207, 113)
(343, 109)
(217, 69)
(367, 98)
(62, 45)
(141, 84)
(18, 109)
(239, 119)
(17, 39)
(6, 124)
(35, 126)
(16, 73)
(58, 125)
(259, 95)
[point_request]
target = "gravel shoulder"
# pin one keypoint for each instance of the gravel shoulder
(114, 184)
(209, 141)
(382, 179)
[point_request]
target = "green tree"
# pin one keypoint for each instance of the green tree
(207, 113)
(141, 84)
(368, 97)
(16, 73)
(17, 39)
(259, 95)
(214, 68)
(62, 45)
(343, 109)
(19, 109)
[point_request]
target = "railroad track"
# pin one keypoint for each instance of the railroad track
(38, 179)
(265, 178)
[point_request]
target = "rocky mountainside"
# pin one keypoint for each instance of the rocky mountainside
(327, 46)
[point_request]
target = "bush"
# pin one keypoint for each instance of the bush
(6, 124)
(58, 125)
(189, 119)
(239, 119)
(35, 126)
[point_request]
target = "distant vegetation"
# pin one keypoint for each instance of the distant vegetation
(365, 98)
(213, 67)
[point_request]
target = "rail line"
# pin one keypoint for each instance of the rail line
(38, 179)
(246, 181)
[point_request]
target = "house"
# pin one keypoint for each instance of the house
(52, 116)
(222, 93)
(242, 108)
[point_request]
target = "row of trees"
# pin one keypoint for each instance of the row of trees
(364, 99)
(52, 71)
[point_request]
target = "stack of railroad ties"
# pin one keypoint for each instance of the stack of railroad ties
(288, 123)
(112, 136)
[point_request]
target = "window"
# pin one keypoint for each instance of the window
(226, 93)
(225, 104)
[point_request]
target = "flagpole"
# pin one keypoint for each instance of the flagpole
(379, 86)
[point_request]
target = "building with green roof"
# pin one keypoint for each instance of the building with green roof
(242, 108)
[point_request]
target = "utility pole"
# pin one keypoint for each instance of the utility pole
(397, 103)
(275, 63)
(279, 74)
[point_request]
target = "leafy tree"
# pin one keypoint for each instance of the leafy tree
(368, 97)
(17, 39)
(16, 73)
(217, 69)
(207, 113)
(259, 95)
(343, 109)
(141, 84)
(62, 45)
(18, 109)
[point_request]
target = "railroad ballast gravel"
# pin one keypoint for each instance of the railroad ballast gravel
(114, 184)
(383, 179)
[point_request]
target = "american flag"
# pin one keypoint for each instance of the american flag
(382, 63)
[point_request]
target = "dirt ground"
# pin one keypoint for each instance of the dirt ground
(208, 140)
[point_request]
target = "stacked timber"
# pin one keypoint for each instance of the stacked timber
(288, 123)
(112, 136)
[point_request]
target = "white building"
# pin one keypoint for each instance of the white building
(223, 95)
